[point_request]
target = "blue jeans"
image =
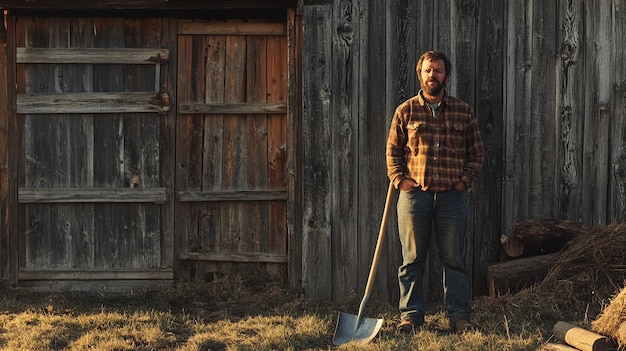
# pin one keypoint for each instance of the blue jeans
(418, 211)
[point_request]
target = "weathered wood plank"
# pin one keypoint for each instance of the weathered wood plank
(232, 28)
(277, 143)
(370, 164)
(78, 226)
(234, 172)
(75, 5)
(134, 56)
(256, 143)
(569, 123)
(517, 109)
(87, 274)
(316, 211)
(37, 160)
(462, 38)
(104, 286)
(189, 130)
(59, 144)
(59, 195)
(6, 218)
(232, 195)
(344, 136)
(243, 108)
(213, 154)
(543, 133)
(487, 190)
(142, 144)
(598, 22)
(617, 182)
(108, 130)
(168, 157)
(294, 144)
(108, 144)
(120, 102)
(263, 257)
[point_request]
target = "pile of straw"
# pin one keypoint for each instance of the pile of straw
(612, 321)
(591, 267)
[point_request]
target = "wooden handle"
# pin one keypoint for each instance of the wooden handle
(379, 243)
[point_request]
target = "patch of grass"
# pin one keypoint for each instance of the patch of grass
(244, 314)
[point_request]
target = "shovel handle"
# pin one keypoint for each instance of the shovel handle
(379, 243)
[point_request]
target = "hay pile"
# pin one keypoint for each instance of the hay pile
(591, 268)
(612, 320)
(589, 273)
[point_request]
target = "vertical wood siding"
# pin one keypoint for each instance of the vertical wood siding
(317, 265)
(567, 188)
(546, 80)
(617, 113)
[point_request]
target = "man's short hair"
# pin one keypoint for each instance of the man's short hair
(434, 56)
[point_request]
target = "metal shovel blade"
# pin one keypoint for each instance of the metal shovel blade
(350, 328)
(357, 328)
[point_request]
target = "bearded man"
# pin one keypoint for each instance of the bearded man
(434, 154)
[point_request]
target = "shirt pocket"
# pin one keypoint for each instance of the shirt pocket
(455, 133)
(417, 133)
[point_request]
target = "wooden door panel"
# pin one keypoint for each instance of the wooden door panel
(89, 167)
(231, 137)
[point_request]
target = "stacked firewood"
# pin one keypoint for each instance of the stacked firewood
(529, 253)
(569, 263)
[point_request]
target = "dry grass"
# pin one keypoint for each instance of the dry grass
(251, 313)
(240, 314)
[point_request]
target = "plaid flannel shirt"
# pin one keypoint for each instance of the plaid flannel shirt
(437, 151)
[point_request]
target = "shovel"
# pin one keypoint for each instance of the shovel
(358, 328)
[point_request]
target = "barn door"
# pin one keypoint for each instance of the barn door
(231, 147)
(90, 193)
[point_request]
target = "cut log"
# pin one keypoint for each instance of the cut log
(582, 339)
(514, 275)
(512, 247)
(543, 237)
(559, 347)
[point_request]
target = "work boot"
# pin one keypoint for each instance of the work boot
(409, 325)
(462, 325)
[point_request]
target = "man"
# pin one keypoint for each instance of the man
(434, 154)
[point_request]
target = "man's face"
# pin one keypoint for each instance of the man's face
(433, 76)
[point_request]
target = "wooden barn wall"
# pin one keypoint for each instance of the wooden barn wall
(564, 112)
(360, 64)
(547, 81)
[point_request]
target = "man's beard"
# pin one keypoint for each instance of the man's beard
(433, 90)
